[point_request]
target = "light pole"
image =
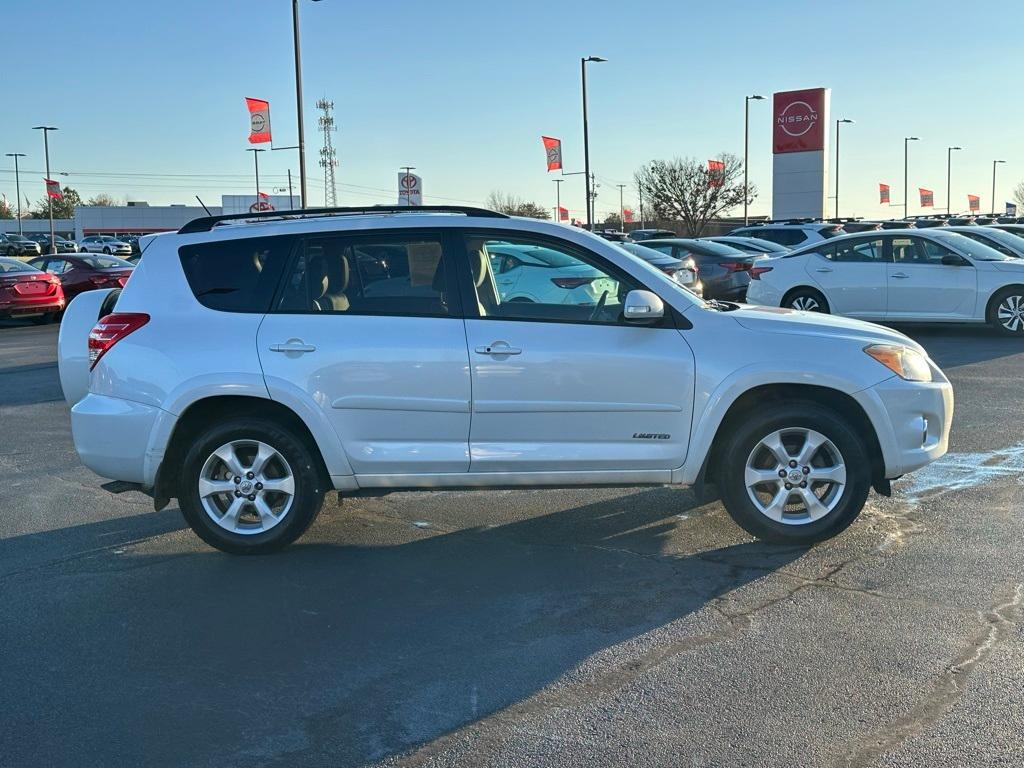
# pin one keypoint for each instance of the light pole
(949, 170)
(906, 142)
(256, 161)
(586, 135)
(558, 199)
(298, 102)
(17, 183)
(838, 123)
(49, 200)
(622, 211)
(746, 152)
(994, 163)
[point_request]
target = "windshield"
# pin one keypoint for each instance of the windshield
(648, 254)
(106, 262)
(13, 265)
(974, 249)
(766, 246)
(660, 276)
(1004, 242)
(717, 249)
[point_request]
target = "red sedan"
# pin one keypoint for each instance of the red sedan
(80, 272)
(28, 292)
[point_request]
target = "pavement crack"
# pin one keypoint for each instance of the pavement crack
(998, 622)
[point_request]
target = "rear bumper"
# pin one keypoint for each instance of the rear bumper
(911, 419)
(112, 436)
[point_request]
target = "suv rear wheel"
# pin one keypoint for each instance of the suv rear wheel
(250, 486)
(797, 474)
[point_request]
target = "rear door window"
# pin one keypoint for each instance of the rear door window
(236, 275)
(388, 274)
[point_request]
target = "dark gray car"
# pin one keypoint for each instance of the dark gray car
(724, 270)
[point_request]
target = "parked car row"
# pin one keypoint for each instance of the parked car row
(37, 243)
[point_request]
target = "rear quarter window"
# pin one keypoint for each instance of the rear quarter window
(236, 275)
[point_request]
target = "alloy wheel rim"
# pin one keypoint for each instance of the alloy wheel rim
(806, 303)
(1011, 313)
(795, 476)
(246, 487)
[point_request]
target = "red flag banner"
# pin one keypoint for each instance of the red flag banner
(553, 149)
(974, 202)
(259, 120)
(883, 193)
(927, 197)
(716, 170)
(563, 214)
(627, 215)
(52, 188)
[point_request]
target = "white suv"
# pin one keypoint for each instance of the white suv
(254, 362)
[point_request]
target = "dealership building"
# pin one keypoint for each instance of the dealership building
(139, 218)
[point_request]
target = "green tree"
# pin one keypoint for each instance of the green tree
(63, 206)
(688, 191)
(5, 209)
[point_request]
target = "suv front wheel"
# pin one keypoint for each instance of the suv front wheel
(250, 486)
(797, 474)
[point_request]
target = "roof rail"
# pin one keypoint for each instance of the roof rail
(207, 223)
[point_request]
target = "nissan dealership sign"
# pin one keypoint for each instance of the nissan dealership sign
(800, 124)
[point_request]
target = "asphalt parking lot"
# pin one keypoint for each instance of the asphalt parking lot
(500, 628)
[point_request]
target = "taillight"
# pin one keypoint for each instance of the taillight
(735, 266)
(756, 272)
(572, 282)
(110, 330)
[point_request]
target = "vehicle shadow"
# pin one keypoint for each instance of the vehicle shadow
(344, 655)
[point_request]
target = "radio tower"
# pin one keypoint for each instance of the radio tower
(328, 157)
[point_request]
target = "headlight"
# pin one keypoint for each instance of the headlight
(905, 362)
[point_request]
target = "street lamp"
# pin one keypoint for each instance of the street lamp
(298, 102)
(906, 141)
(994, 163)
(17, 184)
(949, 167)
(746, 152)
(586, 136)
(558, 199)
(256, 160)
(838, 123)
(49, 200)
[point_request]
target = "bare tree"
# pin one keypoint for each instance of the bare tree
(687, 190)
(507, 203)
(1018, 196)
(102, 199)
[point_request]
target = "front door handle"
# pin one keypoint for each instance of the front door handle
(498, 348)
(292, 345)
(900, 275)
(824, 269)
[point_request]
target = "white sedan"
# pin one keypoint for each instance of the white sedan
(105, 244)
(930, 276)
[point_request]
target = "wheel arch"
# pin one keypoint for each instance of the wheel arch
(804, 287)
(767, 395)
(991, 303)
(202, 412)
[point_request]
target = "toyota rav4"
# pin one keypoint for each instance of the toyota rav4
(253, 363)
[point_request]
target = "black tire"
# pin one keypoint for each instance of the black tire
(1014, 296)
(808, 300)
(11, 253)
(106, 251)
(746, 433)
(310, 486)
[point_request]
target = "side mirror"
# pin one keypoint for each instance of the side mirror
(643, 307)
(952, 260)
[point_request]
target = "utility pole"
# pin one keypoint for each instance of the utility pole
(17, 184)
(586, 139)
(256, 160)
(558, 199)
(622, 214)
(640, 194)
(906, 166)
(49, 200)
(949, 168)
(838, 123)
(291, 202)
(746, 153)
(994, 163)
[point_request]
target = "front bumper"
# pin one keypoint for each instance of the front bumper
(912, 420)
(112, 435)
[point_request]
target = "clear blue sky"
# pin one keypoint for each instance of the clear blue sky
(464, 90)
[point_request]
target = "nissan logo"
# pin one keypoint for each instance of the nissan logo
(797, 118)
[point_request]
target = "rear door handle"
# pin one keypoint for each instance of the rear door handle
(824, 269)
(498, 348)
(900, 275)
(292, 345)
